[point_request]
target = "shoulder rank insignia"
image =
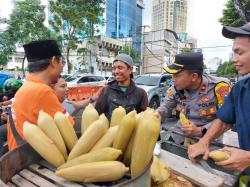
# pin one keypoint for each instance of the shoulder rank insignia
(170, 92)
(221, 90)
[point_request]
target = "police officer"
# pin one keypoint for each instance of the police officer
(196, 95)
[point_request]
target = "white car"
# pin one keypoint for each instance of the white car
(87, 80)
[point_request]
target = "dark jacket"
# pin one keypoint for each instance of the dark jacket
(112, 97)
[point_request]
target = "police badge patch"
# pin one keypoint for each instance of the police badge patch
(221, 90)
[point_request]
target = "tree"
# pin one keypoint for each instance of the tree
(186, 50)
(7, 47)
(227, 69)
(127, 49)
(234, 14)
(24, 25)
(75, 20)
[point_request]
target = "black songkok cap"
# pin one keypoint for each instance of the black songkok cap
(41, 49)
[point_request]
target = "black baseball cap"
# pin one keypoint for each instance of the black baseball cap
(233, 32)
(186, 61)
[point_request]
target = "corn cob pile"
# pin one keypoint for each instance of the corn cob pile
(162, 176)
(102, 153)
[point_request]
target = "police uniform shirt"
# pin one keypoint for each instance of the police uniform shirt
(200, 105)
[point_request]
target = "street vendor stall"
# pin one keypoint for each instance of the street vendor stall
(25, 168)
(203, 173)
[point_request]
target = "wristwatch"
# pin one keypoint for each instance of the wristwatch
(203, 130)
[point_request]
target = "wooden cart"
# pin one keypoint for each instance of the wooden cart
(25, 168)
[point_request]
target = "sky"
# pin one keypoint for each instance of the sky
(203, 24)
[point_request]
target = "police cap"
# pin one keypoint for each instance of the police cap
(186, 61)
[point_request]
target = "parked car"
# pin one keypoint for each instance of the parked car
(110, 78)
(156, 86)
(86, 80)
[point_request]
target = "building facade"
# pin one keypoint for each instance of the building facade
(124, 20)
(169, 14)
(159, 50)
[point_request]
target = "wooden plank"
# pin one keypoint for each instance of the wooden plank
(32, 177)
(47, 165)
(2, 184)
(11, 184)
(190, 171)
(14, 161)
(19, 181)
(50, 175)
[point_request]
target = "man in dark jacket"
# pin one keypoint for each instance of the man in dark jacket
(122, 91)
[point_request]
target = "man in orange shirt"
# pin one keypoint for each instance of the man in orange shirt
(45, 66)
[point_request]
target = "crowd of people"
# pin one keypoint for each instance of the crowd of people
(210, 103)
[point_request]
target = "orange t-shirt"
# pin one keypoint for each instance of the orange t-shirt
(32, 97)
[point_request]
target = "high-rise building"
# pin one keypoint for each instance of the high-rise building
(169, 14)
(124, 20)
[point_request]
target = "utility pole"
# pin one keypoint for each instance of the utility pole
(142, 48)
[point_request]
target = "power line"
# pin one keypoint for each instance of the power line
(155, 57)
(207, 47)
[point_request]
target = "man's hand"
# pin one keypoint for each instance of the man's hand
(239, 159)
(200, 148)
(80, 104)
(158, 115)
(191, 129)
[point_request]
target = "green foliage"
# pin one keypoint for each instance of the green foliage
(6, 47)
(227, 69)
(24, 25)
(186, 50)
(230, 16)
(77, 20)
(130, 51)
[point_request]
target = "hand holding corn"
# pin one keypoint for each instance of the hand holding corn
(238, 159)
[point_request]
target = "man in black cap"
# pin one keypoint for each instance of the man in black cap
(196, 95)
(45, 66)
(236, 109)
(122, 91)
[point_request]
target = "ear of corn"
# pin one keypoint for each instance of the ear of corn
(158, 171)
(125, 131)
(94, 172)
(103, 154)
(184, 121)
(146, 136)
(47, 124)
(128, 152)
(105, 120)
(89, 115)
(42, 144)
(107, 140)
(66, 129)
(219, 155)
(117, 116)
(88, 139)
